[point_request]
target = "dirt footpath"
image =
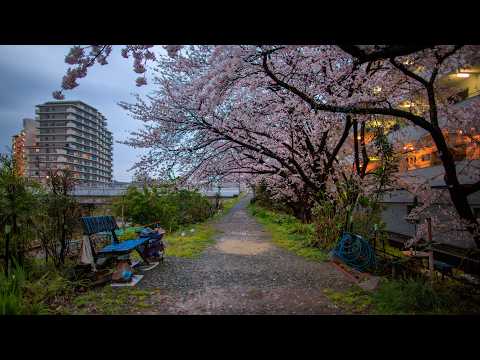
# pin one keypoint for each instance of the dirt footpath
(243, 273)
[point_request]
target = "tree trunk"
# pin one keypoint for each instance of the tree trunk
(457, 194)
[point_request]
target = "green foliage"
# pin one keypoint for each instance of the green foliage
(192, 244)
(18, 208)
(420, 296)
(409, 296)
(347, 211)
(58, 217)
(34, 290)
(289, 233)
(388, 161)
(354, 300)
(11, 292)
(329, 223)
(128, 234)
(109, 301)
(164, 205)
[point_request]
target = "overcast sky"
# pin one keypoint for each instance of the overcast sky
(29, 74)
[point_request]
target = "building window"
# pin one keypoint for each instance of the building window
(426, 157)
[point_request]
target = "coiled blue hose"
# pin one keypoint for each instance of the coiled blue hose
(355, 252)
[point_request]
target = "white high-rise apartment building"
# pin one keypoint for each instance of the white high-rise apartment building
(74, 135)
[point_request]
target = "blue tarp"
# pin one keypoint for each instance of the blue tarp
(126, 245)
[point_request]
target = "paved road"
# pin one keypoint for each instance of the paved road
(243, 273)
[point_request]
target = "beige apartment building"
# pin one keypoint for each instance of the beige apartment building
(70, 135)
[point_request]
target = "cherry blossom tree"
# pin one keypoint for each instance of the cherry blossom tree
(235, 130)
(284, 112)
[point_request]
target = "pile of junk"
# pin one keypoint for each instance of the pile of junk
(115, 262)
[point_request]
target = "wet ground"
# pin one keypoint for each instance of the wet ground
(243, 273)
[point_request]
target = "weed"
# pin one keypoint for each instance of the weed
(111, 301)
(354, 300)
(289, 233)
(193, 243)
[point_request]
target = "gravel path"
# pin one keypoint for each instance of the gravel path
(243, 273)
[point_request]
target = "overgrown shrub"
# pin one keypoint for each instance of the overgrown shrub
(11, 302)
(333, 216)
(59, 216)
(329, 222)
(169, 207)
(415, 296)
(18, 208)
(35, 289)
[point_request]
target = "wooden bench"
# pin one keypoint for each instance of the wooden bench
(98, 224)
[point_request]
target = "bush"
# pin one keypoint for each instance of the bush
(414, 296)
(18, 209)
(330, 218)
(59, 216)
(35, 289)
(11, 292)
(170, 208)
(329, 222)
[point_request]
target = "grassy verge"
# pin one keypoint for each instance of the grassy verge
(289, 233)
(192, 243)
(354, 300)
(109, 301)
(36, 289)
(409, 296)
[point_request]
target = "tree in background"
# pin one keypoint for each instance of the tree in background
(18, 208)
(59, 216)
(163, 205)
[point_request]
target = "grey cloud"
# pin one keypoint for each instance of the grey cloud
(29, 74)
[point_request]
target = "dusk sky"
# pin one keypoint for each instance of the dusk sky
(29, 75)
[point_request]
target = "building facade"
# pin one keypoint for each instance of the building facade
(20, 143)
(70, 135)
(419, 158)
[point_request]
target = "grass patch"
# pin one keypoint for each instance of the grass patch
(289, 233)
(409, 297)
(109, 301)
(420, 296)
(36, 289)
(193, 243)
(354, 300)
